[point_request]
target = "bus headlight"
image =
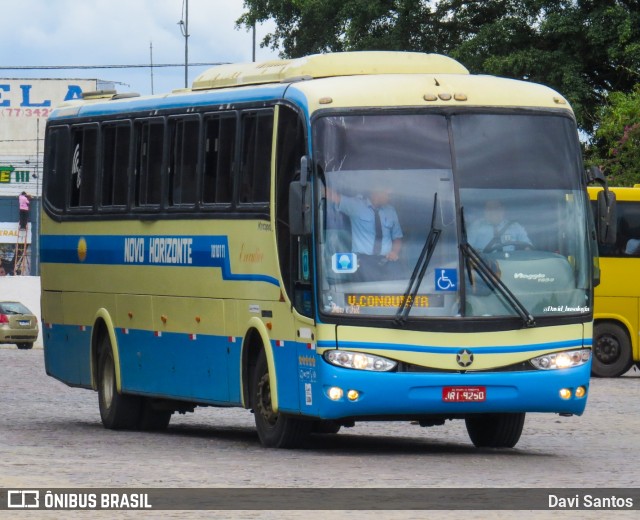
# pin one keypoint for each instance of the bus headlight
(359, 360)
(566, 359)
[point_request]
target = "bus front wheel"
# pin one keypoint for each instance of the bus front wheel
(117, 411)
(498, 430)
(611, 350)
(275, 430)
(153, 418)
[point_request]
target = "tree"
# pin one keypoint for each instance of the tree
(583, 48)
(313, 26)
(616, 145)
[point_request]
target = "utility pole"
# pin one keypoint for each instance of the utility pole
(254, 41)
(184, 28)
(151, 62)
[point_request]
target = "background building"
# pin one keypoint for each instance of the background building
(25, 105)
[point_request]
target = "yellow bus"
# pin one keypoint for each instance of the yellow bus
(304, 238)
(616, 311)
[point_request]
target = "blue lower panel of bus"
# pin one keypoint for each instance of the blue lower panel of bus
(206, 369)
(422, 393)
(198, 368)
(179, 366)
(67, 353)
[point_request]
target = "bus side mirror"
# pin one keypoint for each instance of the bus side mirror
(299, 209)
(594, 174)
(606, 220)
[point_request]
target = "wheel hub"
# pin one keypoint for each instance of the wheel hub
(265, 407)
(607, 349)
(107, 384)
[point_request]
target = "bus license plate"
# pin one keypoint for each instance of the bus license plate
(464, 394)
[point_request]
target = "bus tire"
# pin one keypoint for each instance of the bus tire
(275, 430)
(612, 355)
(153, 419)
(496, 430)
(117, 411)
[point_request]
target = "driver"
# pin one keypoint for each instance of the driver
(495, 233)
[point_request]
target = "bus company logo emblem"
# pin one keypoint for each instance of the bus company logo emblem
(82, 250)
(464, 358)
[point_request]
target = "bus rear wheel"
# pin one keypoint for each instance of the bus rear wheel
(611, 350)
(496, 430)
(117, 411)
(275, 430)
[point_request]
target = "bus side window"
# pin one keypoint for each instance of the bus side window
(83, 166)
(292, 251)
(149, 155)
(116, 145)
(183, 160)
(219, 152)
(628, 228)
(256, 138)
(57, 155)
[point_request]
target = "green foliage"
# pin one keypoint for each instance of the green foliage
(585, 49)
(312, 26)
(616, 147)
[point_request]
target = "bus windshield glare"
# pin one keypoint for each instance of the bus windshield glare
(450, 216)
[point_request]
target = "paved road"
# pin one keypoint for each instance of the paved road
(51, 436)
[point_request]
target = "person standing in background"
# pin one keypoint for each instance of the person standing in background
(24, 201)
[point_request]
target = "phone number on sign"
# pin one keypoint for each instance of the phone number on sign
(25, 112)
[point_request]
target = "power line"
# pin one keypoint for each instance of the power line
(83, 67)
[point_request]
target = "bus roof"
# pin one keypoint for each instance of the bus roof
(327, 65)
(337, 80)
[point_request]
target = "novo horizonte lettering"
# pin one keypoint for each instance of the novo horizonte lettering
(160, 250)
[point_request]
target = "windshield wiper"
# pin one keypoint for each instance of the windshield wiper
(420, 268)
(475, 261)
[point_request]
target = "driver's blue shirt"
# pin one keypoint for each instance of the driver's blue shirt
(363, 229)
(482, 232)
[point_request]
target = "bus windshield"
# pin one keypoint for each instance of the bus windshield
(450, 216)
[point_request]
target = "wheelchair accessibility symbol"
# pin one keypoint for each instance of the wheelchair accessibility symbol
(446, 279)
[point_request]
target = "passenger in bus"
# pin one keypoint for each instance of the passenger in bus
(495, 232)
(633, 247)
(376, 234)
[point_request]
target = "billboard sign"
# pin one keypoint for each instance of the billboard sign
(25, 104)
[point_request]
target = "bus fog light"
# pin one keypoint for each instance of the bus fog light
(560, 360)
(353, 395)
(581, 391)
(565, 393)
(335, 393)
(359, 360)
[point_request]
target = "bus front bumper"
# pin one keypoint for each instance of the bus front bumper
(389, 394)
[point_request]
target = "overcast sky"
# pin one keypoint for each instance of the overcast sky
(119, 32)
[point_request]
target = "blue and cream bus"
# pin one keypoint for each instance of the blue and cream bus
(197, 248)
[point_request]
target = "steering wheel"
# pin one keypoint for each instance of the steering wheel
(496, 245)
